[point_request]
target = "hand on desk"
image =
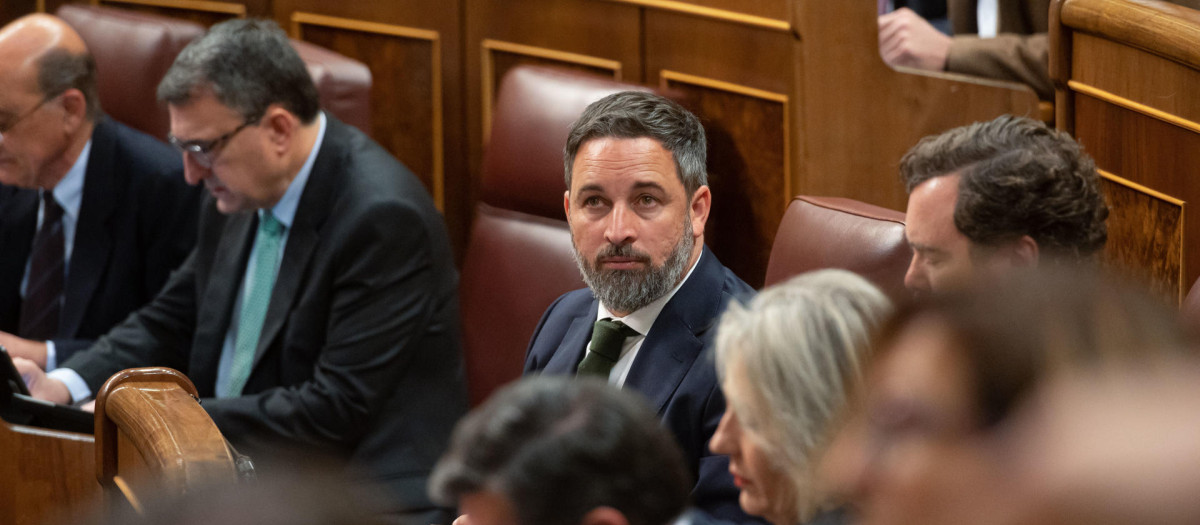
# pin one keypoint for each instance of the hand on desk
(32, 350)
(40, 386)
(906, 39)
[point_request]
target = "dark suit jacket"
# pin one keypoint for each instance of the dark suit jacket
(137, 222)
(674, 368)
(1020, 51)
(359, 357)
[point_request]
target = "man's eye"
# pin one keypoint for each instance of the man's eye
(646, 200)
(592, 201)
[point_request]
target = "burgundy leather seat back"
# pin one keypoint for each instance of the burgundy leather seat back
(519, 257)
(343, 83)
(832, 232)
(134, 50)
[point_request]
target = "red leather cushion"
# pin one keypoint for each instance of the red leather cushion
(522, 165)
(343, 83)
(133, 51)
(516, 265)
(832, 232)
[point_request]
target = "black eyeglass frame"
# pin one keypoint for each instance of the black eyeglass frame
(204, 152)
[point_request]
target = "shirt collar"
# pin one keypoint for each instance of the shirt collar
(69, 191)
(285, 210)
(643, 318)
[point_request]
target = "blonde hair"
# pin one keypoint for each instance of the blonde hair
(800, 347)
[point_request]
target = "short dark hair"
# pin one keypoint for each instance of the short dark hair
(59, 70)
(558, 447)
(1017, 177)
(249, 64)
(636, 114)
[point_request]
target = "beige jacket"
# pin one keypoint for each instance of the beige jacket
(1019, 52)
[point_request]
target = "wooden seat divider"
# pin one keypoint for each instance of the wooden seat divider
(153, 438)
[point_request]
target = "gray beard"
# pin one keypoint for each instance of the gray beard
(628, 290)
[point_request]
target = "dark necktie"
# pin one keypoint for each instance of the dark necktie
(607, 338)
(43, 291)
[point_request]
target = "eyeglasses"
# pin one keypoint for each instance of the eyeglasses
(204, 152)
(8, 127)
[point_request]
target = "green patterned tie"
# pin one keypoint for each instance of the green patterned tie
(607, 338)
(254, 304)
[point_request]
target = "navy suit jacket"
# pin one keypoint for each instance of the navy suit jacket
(137, 222)
(359, 357)
(674, 369)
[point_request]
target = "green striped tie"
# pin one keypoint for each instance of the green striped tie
(254, 304)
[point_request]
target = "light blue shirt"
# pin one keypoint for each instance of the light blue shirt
(68, 193)
(285, 212)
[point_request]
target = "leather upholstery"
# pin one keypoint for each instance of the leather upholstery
(833, 232)
(519, 257)
(343, 83)
(134, 50)
(523, 162)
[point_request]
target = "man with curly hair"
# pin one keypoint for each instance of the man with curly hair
(995, 195)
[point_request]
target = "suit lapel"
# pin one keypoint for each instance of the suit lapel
(93, 239)
(574, 344)
(315, 202)
(675, 340)
(219, 296)
(18, 220)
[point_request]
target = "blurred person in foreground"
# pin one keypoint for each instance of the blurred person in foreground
(562, 451)
(1110, 446)
(993, 196)
(787, 360)
(951, 371)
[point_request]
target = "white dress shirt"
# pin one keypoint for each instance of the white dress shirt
(640, 320)
(987, 15)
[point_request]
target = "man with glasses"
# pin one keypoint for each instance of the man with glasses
(318, 313)
(93, 215)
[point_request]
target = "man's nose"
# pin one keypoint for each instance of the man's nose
(194, 172)
(622, 226)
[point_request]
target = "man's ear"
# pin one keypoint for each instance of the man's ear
(700, 206)
(604, 516)
(75, 109)
(1024, 252)
(280, 125)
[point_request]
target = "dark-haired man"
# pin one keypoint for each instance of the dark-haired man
(995, 195)
(318, 313)
(93, 215)
(555, 451)
(637, 203)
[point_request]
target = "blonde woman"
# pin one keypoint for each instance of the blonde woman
(786, 361)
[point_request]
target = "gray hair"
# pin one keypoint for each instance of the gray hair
(637, 114)
(59, 70)
(800, 346)
(558, 447)
(249, 65)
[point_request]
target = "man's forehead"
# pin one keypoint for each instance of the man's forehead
(625, 162)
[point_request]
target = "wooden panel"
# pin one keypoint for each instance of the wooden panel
(406, 93)
(1146, 237)
(204, 12)
(1154, 154)
(747, 163)
(13, 9)
(46, 476)
(767, 14)
(1136, 75)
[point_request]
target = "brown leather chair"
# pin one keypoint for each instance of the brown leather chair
(832, 232)
(134, 50)
(519, 256)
